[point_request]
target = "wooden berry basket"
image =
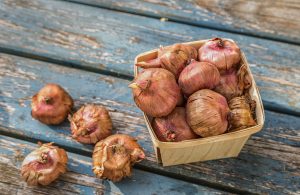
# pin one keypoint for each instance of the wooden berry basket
(203, 149)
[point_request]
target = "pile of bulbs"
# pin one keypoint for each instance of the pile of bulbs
(113, 156)
(191, 94)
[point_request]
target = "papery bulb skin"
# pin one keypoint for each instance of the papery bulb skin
(156, 92)
(173, 128)
(90, 124)
(114, 157)
(234, 83)
(51, 105)
(44, 165)
(244, 79)
(228, 85)
(198, 75)
(172, 58)
(240, 113)
(207, 113)
(223, 53)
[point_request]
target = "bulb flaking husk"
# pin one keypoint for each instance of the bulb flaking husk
(114, 157)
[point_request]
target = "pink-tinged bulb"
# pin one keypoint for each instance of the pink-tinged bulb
(173, 128)
(114, 157)
(51, 105)
(234, 83)
(156, 92)
(198, 75)
(223, 53)
(44, 165)
(228, 85)
(90, 124)
(207, 113)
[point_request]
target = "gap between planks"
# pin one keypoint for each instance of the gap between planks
(63, 63)
(188, 22)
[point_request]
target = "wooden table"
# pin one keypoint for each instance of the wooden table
(88, 47)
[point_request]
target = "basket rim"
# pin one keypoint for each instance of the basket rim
(222, 137)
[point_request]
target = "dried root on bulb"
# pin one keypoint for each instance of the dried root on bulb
(114, 157)
(51, 105)
(241, 113)
(173, 58)
(90, 124)
(44, 165)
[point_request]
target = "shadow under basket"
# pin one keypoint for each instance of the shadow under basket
(203, 149)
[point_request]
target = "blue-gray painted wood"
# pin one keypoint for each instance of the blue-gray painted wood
(103, 40)
(268, 163)
(79, 178)
(269, 19)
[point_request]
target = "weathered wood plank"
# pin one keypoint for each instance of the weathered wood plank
(104, 40)
(80, 180)
(14, 151)
(268, 163)
(268, 19)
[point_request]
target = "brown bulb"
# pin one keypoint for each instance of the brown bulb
(114, 157)
(172, 58)
(44, 165)
(207, 113)
(90, 124)
(240, 113)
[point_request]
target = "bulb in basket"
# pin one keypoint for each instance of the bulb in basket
(156, 92)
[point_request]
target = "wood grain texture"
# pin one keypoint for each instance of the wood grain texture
(269, 162)
(270, 19)
(76, 181)
(104, 40)
(79, 178)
